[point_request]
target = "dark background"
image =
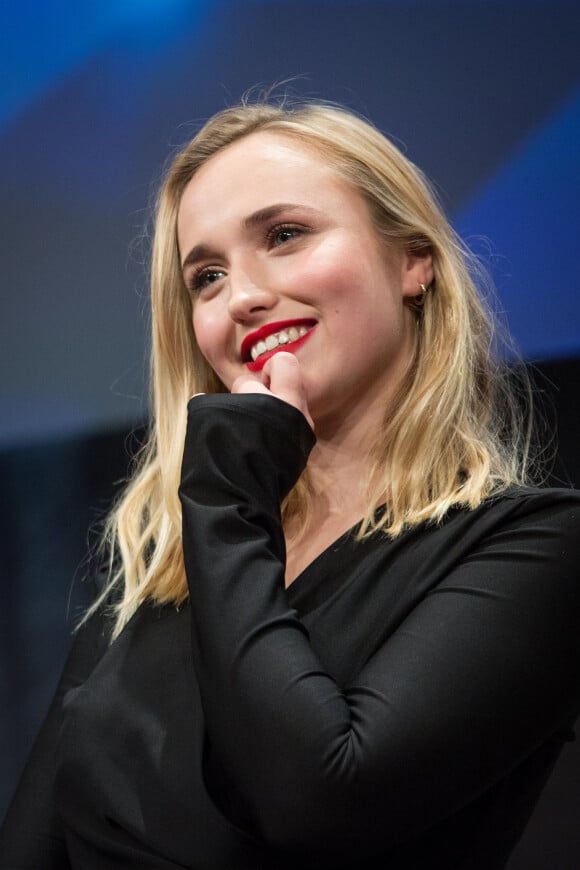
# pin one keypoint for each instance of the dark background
(484, 96)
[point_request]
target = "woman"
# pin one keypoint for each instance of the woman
(353, 648)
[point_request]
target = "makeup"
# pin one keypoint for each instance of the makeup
(261, 344)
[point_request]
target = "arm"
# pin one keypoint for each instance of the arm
(477, 677)
(31, 837)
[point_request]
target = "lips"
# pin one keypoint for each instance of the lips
(263, 343)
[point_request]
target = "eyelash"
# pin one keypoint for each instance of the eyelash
(195, 283)
(283, 228)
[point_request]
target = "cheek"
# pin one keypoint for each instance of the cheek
(328, 274)
(350, 263)
(208, 330)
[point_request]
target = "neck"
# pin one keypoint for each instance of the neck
(339, 465)
(338, 470)
(337, 475)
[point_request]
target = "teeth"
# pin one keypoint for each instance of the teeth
(277, 338)
(259, 349)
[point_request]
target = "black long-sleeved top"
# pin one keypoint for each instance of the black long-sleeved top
(399, 706)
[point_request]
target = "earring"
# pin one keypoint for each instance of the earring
(419, 300)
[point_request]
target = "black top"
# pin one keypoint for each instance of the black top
(399, 706)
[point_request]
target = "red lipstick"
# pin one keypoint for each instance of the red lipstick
(268, 329)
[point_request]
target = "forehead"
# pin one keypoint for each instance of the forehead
(264, 152)
(262, 168)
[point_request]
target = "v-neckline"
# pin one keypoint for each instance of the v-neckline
(332, 545)
(299, 586)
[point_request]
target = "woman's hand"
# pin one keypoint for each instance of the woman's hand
(281, 377)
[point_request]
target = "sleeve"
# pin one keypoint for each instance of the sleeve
(482, 672)
(31, 837)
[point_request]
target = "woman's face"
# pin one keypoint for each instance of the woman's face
(279, 253)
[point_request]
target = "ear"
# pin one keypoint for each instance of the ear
(416, 269)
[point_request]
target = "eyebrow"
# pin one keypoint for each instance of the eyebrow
(257, 218)
(263, 215)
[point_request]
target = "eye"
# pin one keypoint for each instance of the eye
(203, 278)
(282, 233)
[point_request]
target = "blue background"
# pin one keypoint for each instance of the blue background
(484, 96)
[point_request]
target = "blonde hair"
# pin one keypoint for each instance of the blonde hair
(453, 435)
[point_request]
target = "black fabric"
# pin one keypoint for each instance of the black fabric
(399, 706)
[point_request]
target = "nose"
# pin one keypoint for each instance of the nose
(249, 294)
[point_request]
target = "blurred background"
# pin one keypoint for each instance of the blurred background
(94, 99)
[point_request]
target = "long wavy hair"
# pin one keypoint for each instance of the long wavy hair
(456, 432)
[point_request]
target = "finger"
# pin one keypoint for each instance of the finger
(285, 381)
(248, 384)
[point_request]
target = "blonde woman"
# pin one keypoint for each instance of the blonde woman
(341, 628)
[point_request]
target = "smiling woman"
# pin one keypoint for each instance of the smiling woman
(297, 251)
(340, 627)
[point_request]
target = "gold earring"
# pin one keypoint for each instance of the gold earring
(419, 299)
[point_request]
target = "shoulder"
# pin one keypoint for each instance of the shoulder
(528, 533)
(540, 496)
(512, 507)
(518, 554)
(520, 501)
(523, 531)
(556, 508)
